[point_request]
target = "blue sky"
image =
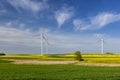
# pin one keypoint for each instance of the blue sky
(70, 25)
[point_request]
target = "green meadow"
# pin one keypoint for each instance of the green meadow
(9, 71)
(57, 72)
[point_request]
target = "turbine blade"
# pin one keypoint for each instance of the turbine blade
(43, 35)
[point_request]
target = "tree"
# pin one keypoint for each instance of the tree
(78, 56)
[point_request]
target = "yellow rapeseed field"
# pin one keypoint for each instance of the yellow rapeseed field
(97, 58)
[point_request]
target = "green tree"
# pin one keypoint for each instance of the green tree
(78, 56)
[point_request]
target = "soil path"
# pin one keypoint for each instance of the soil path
(62, 62)
(42, 62)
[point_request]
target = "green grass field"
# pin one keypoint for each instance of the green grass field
(9, 71)
(57, 72)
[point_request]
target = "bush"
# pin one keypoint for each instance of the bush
(2, 54)
(109, 53)
(78, 56)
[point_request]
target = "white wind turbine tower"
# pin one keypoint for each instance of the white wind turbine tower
(102, 45)
(46, 42)
(44, 39)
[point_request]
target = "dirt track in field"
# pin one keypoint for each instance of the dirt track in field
(42, 62)
(62, 62)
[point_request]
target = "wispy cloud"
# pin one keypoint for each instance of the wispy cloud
(63, 15)
(100, 35)
(97, 22)
(30, 5)
(16, 36)
(26, 38)
(15, 23)
(13, 40)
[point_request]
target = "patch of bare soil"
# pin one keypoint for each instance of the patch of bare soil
(41, 62)
(100, 64)
(63, 62)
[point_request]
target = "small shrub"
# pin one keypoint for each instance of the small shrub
(78, 56)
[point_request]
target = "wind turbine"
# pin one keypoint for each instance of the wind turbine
(101, 41)
(44, 38)
(46, 42)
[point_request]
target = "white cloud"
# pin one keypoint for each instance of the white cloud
(97, 22)
(13, 40)
(15, 23)
(17, 36)
(63, 15)
(18, 39)
(30, 5)
(99, 36)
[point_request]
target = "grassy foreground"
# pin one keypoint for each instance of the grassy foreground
(9, 71)
(57, 72)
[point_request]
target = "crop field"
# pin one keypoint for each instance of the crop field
(10, 71)
(94, 58)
